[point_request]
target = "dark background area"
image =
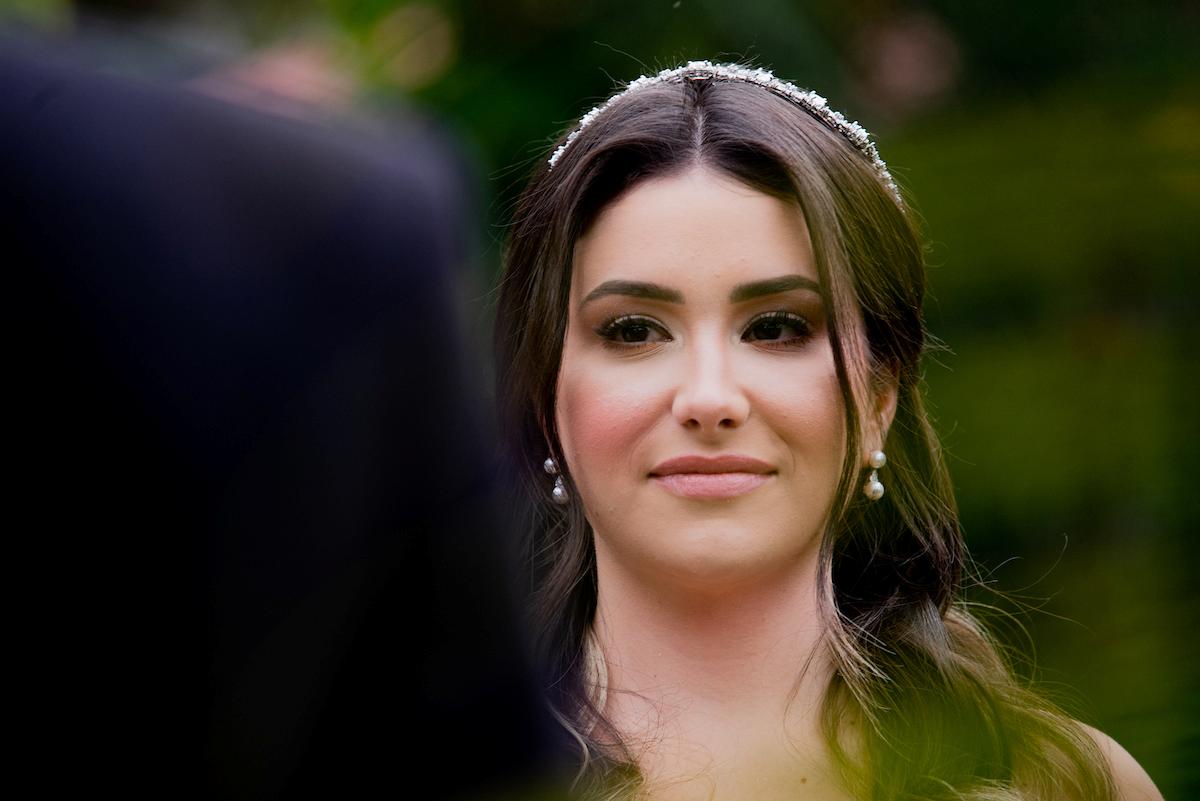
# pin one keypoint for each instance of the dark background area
(1052, 151)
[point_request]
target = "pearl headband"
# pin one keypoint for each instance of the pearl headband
(810, 101)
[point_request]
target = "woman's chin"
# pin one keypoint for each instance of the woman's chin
(714, 559)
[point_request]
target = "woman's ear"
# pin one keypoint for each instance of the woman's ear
(548, 438)
(883, 411)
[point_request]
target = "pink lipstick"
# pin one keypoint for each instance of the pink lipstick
(711, 477)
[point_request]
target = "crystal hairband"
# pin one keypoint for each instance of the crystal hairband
(810, 101)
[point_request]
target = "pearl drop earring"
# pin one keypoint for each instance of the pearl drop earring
(873, 489)
(559, 493)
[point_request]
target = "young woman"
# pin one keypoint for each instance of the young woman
(745, 552)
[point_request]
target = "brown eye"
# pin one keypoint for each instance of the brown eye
(632, 331)
(778, 328)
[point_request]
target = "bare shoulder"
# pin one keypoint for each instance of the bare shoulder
(1131, 780)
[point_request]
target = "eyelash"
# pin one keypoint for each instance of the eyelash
(611, 330)
(804, 329)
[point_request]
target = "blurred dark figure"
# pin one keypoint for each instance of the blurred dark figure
(250, 457)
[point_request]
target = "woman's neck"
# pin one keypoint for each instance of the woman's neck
(717, 694)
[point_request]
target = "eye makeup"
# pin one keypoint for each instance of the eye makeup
(778, 329)
(631, 330)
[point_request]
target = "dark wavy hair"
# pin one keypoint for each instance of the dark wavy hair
(922, 703)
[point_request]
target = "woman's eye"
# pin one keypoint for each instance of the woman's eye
(779, 329)
(632, 331)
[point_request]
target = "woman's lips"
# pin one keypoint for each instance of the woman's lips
(724, 476)
(711, 485)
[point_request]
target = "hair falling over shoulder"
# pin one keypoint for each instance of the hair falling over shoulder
(922, 704)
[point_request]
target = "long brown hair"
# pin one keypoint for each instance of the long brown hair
(940, 712)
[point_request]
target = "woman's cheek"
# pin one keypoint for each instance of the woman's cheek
(601, 420)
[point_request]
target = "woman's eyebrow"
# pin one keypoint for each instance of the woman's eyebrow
(635, 289)
(771, 286)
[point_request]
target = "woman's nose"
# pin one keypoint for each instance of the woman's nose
(709, 398)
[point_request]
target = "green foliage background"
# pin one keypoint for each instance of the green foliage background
(1057, 172)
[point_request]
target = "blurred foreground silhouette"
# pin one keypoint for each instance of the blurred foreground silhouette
(251, 451)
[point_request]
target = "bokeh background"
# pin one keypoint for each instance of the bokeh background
(1052, 151)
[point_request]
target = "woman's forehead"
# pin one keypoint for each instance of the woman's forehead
(691, 229)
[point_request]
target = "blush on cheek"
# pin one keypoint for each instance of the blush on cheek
(600, 423)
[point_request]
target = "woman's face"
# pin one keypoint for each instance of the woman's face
(698, 403)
